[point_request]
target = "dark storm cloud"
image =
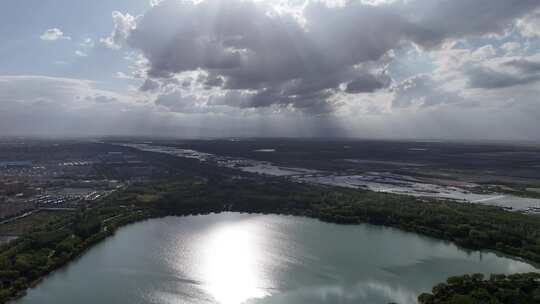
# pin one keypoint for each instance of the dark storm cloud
(486, 78)
(437, 20)
(176, 102)
(524, 65)
(365, 83)
(313, 103)
(179, 102)
(149, 85)
(262, 58)
(212, 81)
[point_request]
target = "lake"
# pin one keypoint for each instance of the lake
(234, 258)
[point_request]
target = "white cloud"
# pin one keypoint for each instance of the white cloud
(122, 75)
(80, 53)
(483, 53)
(155, 2)
(511, 47)
(123, 24)
(87, 43)
(45, 105)
(529, 25)
(53, 34)
(30, 88)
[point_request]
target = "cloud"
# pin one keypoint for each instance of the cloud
(27, 89)
(87, 43)
(149, 85)
(42, 105)
(524, 65)
(53, 34)
(101, 99)
(80, 53)
(182, 103)
(511, 46)
(438, 20)
(366, 83)
(483, 53)
(529, 26)
(123, 24)
(50, 106)
(155, 2)
(422, 91)
(504, 72)
(239, 52)
(487, 78)
(257, 56)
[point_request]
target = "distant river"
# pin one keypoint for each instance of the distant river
(236, 258)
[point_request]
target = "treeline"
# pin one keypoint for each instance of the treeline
(473, 226)
(498, 289)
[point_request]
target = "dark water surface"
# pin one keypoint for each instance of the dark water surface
(237, 258)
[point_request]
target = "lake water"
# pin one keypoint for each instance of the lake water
(236, 258)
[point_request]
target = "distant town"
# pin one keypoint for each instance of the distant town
(44, 176)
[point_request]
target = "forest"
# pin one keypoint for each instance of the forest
(474, 289)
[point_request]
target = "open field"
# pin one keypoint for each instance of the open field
(25, 224)
(496, 174)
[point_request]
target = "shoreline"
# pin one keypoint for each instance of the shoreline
(79, 255)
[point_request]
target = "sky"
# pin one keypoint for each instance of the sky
(425, 69)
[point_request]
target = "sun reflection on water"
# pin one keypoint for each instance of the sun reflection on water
(231, 264)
